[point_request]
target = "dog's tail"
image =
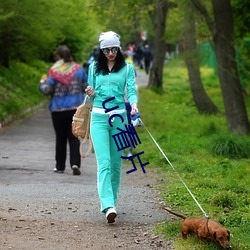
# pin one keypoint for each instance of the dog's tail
(175, 213)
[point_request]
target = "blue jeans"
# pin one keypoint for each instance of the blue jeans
(108, 157)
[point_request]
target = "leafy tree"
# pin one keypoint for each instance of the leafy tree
(221, 28)
(175, 24)
(28, 33)
(23, 33)
(156, 72)
(241, 18)
(126, 17)
(242, 34)
(201, 99)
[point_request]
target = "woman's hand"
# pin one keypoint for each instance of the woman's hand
(90, 91)
(43, 79)
(134, 109)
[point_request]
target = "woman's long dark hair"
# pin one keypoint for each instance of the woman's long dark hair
(102, 67)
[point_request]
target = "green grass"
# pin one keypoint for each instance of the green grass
(214, 164)
(19, 88)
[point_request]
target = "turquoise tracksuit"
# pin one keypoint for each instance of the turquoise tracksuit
(107, 155)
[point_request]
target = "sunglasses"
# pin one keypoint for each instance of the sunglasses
(106, 51)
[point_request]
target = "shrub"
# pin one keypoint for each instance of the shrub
(231, 146)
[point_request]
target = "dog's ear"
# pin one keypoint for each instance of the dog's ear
(214, 235)
(228, 237)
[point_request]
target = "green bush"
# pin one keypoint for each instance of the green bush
(231, 146)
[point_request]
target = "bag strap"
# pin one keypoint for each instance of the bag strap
(87, 137)
(85, 99)
(91, 148)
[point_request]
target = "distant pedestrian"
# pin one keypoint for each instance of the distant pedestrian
(65, 84)
(93, 55)
(138, 55)
(108, 78)
(147, 54)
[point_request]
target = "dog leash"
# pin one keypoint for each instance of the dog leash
(175, 170)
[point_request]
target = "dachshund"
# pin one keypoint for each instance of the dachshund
(204, 229)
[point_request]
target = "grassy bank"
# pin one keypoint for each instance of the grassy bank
(212, 163)
(19, 89)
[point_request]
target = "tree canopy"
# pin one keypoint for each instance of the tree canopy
(28, 33)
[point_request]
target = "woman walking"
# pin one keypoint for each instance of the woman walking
(109, 78)
(65, 84)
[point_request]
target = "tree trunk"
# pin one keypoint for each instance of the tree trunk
(235, 109)
(223, 38)
(201, 99)
(159, 47)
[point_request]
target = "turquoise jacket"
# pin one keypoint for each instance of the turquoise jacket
(114, 84)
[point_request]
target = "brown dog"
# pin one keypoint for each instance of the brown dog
(204, 229)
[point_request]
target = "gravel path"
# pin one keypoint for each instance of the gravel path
(43, 210)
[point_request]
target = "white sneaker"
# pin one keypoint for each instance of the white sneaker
(111, 214)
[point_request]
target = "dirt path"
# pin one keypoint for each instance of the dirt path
(43, 210)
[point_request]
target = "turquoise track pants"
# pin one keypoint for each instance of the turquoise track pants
(108, 157)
